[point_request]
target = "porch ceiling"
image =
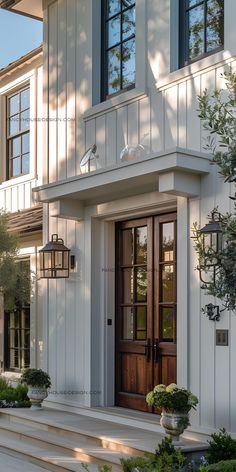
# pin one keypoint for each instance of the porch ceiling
(30, 8)
(130, 179)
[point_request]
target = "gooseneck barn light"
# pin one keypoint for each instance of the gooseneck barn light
(55, 259)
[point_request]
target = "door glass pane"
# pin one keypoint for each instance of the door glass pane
(128, 25)
(128, 286)
(113, 7)
(114, 78)
(168, 242)
(167, 324)
(127, 323)
(127, 247)
(215, 24)
(113, 31)
(141, 284)
(141, 245)
(167, 289)
(128, 62)
(141, 323)
(196, 32)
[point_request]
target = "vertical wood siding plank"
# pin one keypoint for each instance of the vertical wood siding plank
(182, 115)
(101, 141)
(61, 88)
(171, 97)
(157, 122)
(53, 87)
(71, 72)
(122, 129)
(111, 138)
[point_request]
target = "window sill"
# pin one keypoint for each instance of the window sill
(17, 180)
(113, 103)
(198, 67)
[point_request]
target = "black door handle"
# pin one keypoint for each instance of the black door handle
(156, 350)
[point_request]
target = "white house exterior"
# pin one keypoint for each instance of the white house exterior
(21, 169)
(93, 358)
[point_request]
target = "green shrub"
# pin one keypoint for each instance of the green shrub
(3, 384)
(36, 378)
(221, 448)
(18, 394)
(128, 465)
(21, 393)
(223, 466)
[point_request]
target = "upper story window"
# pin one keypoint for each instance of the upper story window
(118, 46)
(18, 134)
(201, 29)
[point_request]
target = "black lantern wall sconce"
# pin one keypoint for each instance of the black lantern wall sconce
(55, 259)
(211, 235)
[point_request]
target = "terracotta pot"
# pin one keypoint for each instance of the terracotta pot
(174, 423)
(36, 396)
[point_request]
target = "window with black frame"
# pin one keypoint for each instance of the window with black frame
(18, 133)
(201, 29)
(118, 46)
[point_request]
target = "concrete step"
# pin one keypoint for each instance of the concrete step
(14, 464)
(83, 449)
(45, 457)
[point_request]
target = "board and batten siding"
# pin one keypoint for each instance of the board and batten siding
(160, 119)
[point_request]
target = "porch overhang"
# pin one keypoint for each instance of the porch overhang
(33, 9)
(177, 172)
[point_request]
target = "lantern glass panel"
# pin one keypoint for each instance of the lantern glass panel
(58, 259)
(66, 260)
(47, 260)
(214, 242)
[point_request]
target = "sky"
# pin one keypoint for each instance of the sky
(18, 35)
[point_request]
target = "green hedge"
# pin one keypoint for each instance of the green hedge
(223, 466)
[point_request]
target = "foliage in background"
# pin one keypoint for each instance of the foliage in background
(223, 286)
(13, 397)
(36, 378)
(223, 466)
(15, 277)
(172, 398)
(218, 112)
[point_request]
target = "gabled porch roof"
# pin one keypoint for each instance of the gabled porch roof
(34, 8)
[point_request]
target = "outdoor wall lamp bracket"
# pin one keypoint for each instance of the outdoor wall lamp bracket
(212, 311)
(55, 259)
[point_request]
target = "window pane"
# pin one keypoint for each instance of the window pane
(113, 7)
(167, 289)
(196, 32)
(141, 245)
(127, 247)
(128, 63)
(25, 143)
(167, 323)
(24, 120)
(128, 323)
(128, 25)
(215, 24)
(167, 242)
(128, 286)
(191, 3)
(25, 164)
(114, 78)
(15, 167)
(25, 99)
(141, 323)
(113, 31)
(15, 147)
(14, 105)
(141, 284)
(14, 125)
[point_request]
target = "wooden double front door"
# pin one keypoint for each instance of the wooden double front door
(145, 307)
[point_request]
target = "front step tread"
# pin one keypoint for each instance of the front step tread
(79, 446)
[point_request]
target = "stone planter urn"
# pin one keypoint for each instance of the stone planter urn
(174, 424)
(36, 396)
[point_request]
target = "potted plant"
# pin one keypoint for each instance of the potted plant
(38, 382)
(175, 404)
